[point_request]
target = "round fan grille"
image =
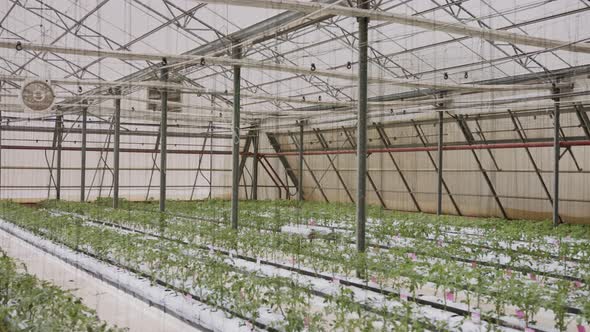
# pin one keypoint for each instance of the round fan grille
(38, 95)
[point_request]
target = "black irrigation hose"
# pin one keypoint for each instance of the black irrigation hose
(435, 305)
(142, 275)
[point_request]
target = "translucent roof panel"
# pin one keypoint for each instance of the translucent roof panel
(396, 51)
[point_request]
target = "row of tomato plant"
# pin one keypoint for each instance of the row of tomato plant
(285, 303)
(536, 238)
(30, 304)
(396, 268)
(404, 237)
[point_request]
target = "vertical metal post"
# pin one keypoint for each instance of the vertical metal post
(361, 187)
(235, 170)
(556, 157)
(211, 162)
(1, 156)
(59, 124)
(116, 146)
(163, 139)
(300, 192)
(440, 163)
(83, 149)
(255, 167)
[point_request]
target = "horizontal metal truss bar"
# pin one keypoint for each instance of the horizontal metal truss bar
(110, 132)
(563, 144)
(122, 150)
(446, 148)
(246, 63)
(182, 187)
(397, 18)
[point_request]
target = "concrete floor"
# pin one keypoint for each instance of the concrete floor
(111, 304)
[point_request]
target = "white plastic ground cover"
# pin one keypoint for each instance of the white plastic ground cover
(551, 265)
(428, 292)
(196, 313)
(429, 289)
(549, 244)
(266, 316)
(367, 297)
(476, 236)
(305, 230)
(370, 298)
(548, 241)
(563, 268)
(110, 303)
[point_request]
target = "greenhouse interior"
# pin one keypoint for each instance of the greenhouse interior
(294, 165)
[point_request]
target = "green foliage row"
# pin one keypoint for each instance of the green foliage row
(391, 267)
(209, 276)
(29, 304)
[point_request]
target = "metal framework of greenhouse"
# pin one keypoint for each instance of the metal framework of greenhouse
(357, 123)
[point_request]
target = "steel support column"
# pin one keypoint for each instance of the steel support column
(163, 139)
(237, 54)
(83, 152)
(439, 192)
(211, 162)
(361, 188)
(300, 191)
(255, 166)
(116, 154)
(556, 157)
(1, 156)
(59, 132)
